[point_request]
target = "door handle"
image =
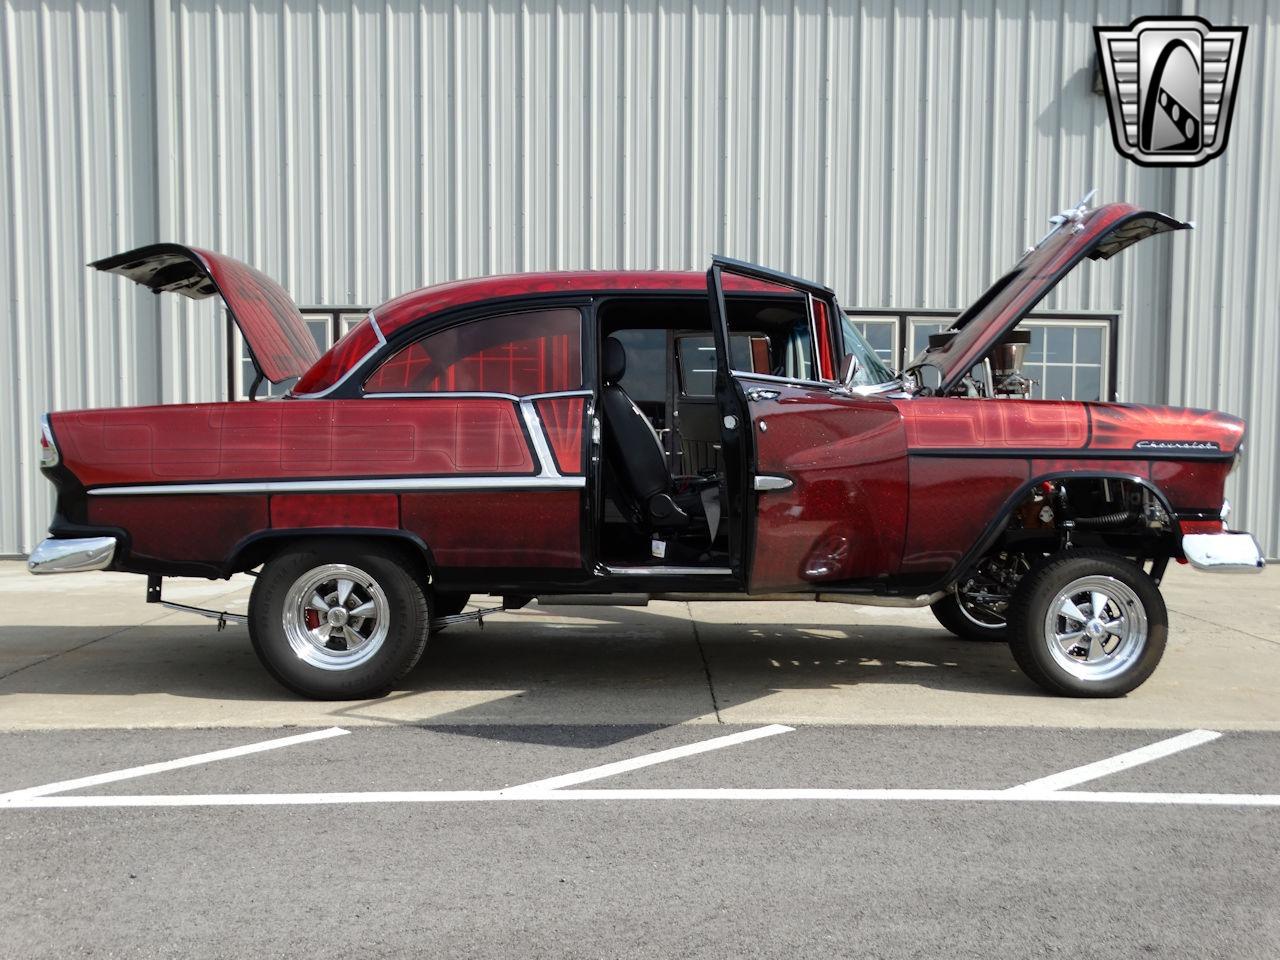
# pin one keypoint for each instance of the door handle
(759, 393)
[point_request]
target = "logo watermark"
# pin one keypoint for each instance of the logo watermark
(1171, 87)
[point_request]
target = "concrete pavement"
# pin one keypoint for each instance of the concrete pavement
(86, 651)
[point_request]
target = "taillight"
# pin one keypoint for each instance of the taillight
(48, 449)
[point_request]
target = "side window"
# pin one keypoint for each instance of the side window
(697, 356)
(537, 351)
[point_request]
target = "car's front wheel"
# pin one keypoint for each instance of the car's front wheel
(1088, 624)
(337, 619)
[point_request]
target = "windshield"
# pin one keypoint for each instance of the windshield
(871, 369)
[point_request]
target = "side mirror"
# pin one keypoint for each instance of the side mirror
(848, 371)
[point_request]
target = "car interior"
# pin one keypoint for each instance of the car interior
(664, 477)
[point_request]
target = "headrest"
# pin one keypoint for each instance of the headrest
(615, 360)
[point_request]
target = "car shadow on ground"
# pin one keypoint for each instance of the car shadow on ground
(611, 665)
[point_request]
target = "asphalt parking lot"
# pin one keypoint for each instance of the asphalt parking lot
(705, 780)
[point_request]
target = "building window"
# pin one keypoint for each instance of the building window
(1069, 358)
(538, 351)
(881, 333)
(326, 325)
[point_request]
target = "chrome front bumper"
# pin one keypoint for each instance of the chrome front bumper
(72, 556)
(1223, 552)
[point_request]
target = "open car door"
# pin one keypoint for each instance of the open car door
(816, 474)
(278, 339)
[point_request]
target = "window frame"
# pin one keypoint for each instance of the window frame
(401, 344)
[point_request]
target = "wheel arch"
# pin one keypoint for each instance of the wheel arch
(999, 523)
(259, 547)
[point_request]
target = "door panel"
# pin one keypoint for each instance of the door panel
(845, 516)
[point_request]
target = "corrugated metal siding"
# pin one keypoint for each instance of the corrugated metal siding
(902, 151)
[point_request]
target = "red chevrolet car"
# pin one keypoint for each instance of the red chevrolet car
(481, 436)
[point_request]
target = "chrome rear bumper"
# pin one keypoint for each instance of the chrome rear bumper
(1223, 552)
(72, 556)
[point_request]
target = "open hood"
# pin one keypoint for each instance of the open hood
(278, 339)
(1099, 234)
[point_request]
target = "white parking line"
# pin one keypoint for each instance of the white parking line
(704, 795)
(1122, 761)
(1044, 790)
(100, 778)
(636, 763)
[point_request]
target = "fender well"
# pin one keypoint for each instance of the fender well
(999, 523)
(258, 547)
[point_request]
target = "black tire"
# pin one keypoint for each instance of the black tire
(954, 619)
(1118, 671)
(288, 645)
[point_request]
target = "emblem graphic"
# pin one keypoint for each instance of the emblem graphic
(1171, 87)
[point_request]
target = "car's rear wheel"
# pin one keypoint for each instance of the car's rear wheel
(448, 603)
(1088, 624)
(337, 619)
(967, 621)
(979, 607)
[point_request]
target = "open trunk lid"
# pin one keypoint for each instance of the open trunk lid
(278, 339)
(1099, 234)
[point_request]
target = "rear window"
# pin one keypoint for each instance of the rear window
(537, 351)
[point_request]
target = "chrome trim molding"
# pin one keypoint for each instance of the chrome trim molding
(668, 571)
(876, 600)
(382, 342)
(72, 556)
(474, 394)
(1223, 552)
(442, 395)
(540, 446)
(793, 381)
(773, 481)
(387, 484)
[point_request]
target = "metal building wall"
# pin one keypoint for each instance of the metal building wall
(902, 151)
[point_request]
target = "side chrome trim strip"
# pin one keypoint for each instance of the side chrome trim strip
(773, 481)
(540, 446)
(384, 484)
(443, 395)
(473, 394)
(669, 571)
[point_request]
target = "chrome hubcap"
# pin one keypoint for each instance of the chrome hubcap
(1095, 628)
(336, 616)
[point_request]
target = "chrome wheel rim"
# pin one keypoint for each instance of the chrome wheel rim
(1096, 628)
(975, 614)
(336, 617)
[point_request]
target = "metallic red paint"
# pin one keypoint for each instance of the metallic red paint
(952, 502)
(845, 516)
(272, 326)
(952, 423)
(1036, 274)
(201, 528)
(1192, 484)
(335, 510)
(500, 529)
(353, 347)
(1123, 426)
(296, 439)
